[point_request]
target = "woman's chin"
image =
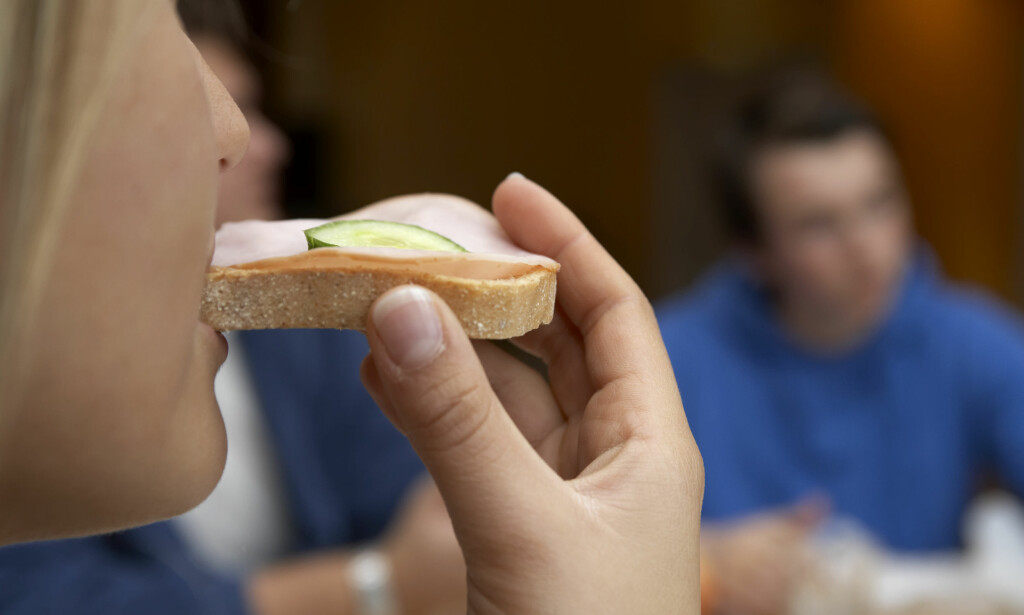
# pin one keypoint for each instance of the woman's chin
(201, 456)
(198, 446)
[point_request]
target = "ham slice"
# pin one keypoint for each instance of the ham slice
(263, 275)
(488, 247)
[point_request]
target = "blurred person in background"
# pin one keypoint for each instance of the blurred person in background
(827, 367)
(321, 508)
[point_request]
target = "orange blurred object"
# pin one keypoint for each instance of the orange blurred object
(708, 588)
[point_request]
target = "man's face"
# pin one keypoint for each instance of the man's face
(250, 190)
(836, 226)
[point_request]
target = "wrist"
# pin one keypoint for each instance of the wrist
(370, 576)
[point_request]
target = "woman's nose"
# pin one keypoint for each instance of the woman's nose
(230, 129)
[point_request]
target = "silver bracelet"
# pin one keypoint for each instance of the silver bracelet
(369, 575)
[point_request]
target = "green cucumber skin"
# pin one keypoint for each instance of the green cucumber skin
(437, 242)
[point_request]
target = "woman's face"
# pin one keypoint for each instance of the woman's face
(117, 424)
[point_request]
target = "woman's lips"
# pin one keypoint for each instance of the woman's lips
(210, 248)
(216, 341)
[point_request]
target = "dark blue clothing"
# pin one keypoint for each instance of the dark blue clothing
(897, 431)
(345, 467)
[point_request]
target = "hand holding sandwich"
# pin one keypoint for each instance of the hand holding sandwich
(578, 495)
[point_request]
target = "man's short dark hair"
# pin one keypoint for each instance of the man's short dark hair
(218, 19)
(788, 109)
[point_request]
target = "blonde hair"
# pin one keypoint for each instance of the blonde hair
(58, 60)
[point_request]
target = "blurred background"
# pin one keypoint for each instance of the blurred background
(611, 105)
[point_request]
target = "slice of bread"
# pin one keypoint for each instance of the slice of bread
(265, 277)
(340, 298)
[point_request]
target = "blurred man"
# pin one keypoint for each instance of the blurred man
(827, 366)
(313, 467)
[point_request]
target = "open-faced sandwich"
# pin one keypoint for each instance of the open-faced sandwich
(327, 273)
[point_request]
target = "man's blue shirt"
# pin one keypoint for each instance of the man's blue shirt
(898, 432)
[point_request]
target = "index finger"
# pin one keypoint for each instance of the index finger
(616, 321)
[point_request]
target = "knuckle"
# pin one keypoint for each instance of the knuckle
(451, 412)
(624, 299)
(688, 470)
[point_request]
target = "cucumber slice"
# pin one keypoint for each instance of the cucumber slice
(378, 234)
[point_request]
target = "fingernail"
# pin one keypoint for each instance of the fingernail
(409, 326)
(515, 174)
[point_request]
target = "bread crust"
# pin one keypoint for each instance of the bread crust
(340, 298)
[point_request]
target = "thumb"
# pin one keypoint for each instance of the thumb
(427, 378)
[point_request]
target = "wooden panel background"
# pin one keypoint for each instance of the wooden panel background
(946, 74)
(451, 95)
